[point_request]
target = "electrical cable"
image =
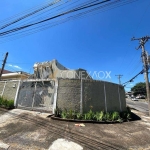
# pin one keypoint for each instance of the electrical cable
(27, 15)
(116, 6)
(131, 80)
(56, 16)
(135, 68)
(8, 20)
(126, 54)
(33, 31)
(41, 9)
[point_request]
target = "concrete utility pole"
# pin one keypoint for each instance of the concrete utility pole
(142, 42)
(119, 76)
(3, 65)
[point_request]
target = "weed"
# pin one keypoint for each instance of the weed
(9, 104)
(79, 116)
(64, 114)
(115, 116)
(108, 116)
(90, 115)
(98, 116)
(58, 112)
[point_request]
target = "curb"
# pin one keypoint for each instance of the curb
(87, 121)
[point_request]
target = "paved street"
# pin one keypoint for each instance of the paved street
(138, 105)
(22, 130)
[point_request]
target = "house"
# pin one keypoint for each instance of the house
(9, 75)
(10, 82)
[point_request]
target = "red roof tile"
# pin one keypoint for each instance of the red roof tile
(5, 71)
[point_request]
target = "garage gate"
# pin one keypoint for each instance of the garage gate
(36, 95)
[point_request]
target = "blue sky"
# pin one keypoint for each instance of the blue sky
(100, 41)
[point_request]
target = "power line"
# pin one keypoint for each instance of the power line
(127, 52)
(131, 80)
(12, 18)
(83, 13)
(3, 65)
(119, 77)
(135, 68)
(143, 41)
(53, 17)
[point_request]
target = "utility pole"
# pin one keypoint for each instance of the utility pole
(3, 65)
(142, 42)
(119, 76)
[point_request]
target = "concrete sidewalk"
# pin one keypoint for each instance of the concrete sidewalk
(28, 130)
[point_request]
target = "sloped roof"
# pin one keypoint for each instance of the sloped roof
(6, 71)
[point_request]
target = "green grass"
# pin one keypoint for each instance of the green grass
(5, 103)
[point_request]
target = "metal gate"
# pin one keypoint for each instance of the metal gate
(36, 95)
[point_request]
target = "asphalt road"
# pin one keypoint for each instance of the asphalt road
(29, 130)
(138, 105)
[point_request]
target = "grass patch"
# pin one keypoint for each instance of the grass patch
(5, 103)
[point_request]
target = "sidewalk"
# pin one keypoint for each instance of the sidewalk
(28, 130)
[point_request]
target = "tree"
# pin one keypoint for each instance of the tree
(139, 88)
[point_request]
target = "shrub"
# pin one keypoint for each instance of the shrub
(9, 104)
(58, 112)
(70, 114)
(90, 115)
(115, 116)
(108, 116)
(64, 114)
(126, 114)
(1, 101)
(79, 116)
(98, 116)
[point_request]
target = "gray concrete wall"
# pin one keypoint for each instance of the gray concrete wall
(98, 95)
(68, 94)
(9, 89)
(80, 96)
(93, 95)
(1, 87)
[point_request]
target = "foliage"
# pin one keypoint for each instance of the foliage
(108, 116)
(115, 116)
(9, 104)
(126, 114)
(139, 88)
(90, 115)
(98, 116)
(70, 114)
(79, 116)
(64, 114)
(58, 112)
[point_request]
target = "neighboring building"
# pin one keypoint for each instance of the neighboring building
(52, 85)
(53, 70)
(19, 75)
(129, 94)
(5, 71)
(9, 83)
